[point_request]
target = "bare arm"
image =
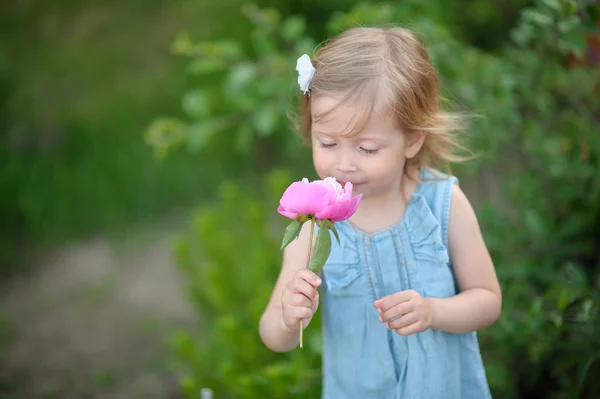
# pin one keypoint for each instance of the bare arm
(301, 299)
(479, 303)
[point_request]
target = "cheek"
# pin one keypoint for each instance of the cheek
(322, 162)
(387, 167)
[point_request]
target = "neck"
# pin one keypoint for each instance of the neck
(384, 209)
(381, 203)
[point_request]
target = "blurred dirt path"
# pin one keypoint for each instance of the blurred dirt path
(92, 321)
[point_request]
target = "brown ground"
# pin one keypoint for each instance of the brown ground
(92, 321)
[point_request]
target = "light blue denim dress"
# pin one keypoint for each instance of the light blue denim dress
(362, 359)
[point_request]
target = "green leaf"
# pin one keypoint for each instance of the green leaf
(563, 300)
(205, 65)
(264, 43)
(291, 233)
(574, 42)
(293, 28)
(537, 17)
(199, 134)
(322, 250)
(331, 227)
(553, 4)
(166, 133)
(584, 371)
(556, 319)
(535, 223)
(570, 6)
(586, 309)
(230, 49)
(240, 77)
(305, 45)
(196, 103)
(183, 44)
(265, 120)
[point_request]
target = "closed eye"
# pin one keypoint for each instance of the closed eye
(325, 145)
(369, 152)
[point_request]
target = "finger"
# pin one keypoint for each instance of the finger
(395, 311)
(389, 301)
(410, 329)
(393, 300)
(301, 312)
(300, 300)
(403, 321)
(310, 277)
(300, 286)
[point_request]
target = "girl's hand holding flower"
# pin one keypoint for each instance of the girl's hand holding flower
(300, 299)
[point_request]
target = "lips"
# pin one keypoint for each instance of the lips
(343, 183)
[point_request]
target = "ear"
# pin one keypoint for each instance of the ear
(414, 142)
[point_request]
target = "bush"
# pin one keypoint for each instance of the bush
(545, 240)
(231, 258)
(246, 106)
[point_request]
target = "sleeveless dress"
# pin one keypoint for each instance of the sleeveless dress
(362, 359)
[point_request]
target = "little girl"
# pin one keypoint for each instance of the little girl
(412, 280)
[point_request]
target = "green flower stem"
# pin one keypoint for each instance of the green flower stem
(312, 231)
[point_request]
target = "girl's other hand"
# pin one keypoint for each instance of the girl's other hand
(406, 312)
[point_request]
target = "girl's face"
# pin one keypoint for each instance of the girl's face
(372, 159)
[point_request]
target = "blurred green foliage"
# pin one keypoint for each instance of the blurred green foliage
(538, 101)
(79, 82)
(230, 258)
(246, 101)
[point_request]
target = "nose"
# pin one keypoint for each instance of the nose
(345, 162)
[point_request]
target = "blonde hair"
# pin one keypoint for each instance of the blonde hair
(389, 67)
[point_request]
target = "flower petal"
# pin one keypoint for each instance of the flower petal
(353, 206)
(348, 187)
(334, 212)
(305, 198)
(291, 215)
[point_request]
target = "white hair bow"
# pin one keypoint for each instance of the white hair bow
(306, 71)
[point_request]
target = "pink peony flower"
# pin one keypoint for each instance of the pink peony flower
(323, 199)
